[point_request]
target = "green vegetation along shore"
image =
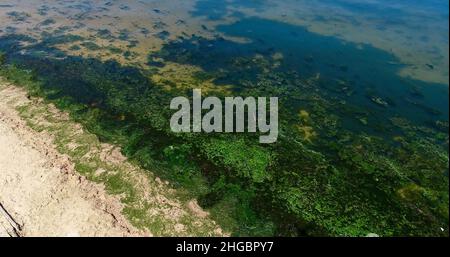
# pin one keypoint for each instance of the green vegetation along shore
(339, 168)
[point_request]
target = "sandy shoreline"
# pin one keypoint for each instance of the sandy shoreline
(42, 191)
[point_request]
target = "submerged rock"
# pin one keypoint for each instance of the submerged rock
(379, 101)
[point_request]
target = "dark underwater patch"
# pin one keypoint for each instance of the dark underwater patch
(367, 72)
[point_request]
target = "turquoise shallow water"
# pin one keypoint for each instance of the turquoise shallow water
(418, 27)
(365, 69)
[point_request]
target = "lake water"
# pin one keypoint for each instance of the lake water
(358, 68)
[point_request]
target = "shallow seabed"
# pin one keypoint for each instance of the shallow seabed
(363, 88)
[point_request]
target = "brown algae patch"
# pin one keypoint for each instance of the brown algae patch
(174, 77)
(308, 133)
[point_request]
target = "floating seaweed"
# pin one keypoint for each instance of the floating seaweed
(164, 35)
(90, 46)
(18, 16)
(124, 7)
(47, 22)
